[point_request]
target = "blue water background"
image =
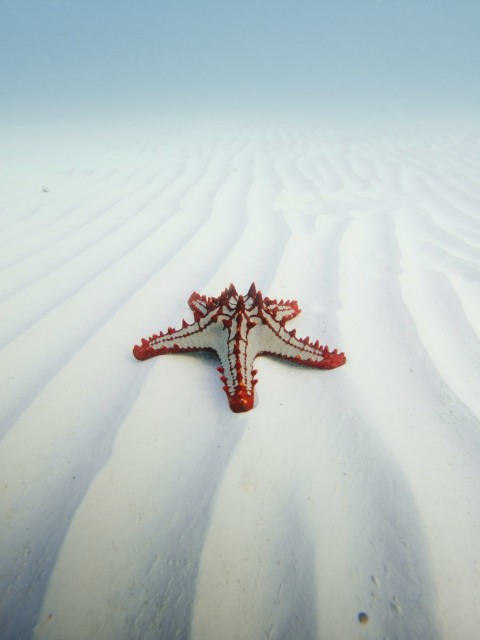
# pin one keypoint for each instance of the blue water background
(360, 59)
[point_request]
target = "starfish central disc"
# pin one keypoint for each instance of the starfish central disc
(238, 329)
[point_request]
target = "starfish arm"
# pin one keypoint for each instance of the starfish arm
(191, 337)
(237, 374)
(203, 305)
(281, 311)
(277, 341)
(199, 305)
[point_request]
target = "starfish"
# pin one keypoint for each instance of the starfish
(238, 329)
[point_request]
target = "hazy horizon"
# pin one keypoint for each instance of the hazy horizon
(124, 58)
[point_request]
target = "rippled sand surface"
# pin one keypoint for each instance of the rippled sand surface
(134, 503)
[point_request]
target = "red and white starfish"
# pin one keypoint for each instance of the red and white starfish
(238, 329)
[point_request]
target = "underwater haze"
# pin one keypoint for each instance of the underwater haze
(339, 57)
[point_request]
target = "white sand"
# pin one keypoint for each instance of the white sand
(134, 503)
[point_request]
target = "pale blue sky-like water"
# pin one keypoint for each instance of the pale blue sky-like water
(368, 58)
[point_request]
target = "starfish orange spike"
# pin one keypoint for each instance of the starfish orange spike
(240, 328)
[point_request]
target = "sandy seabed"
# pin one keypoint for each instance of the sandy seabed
(134, 503)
